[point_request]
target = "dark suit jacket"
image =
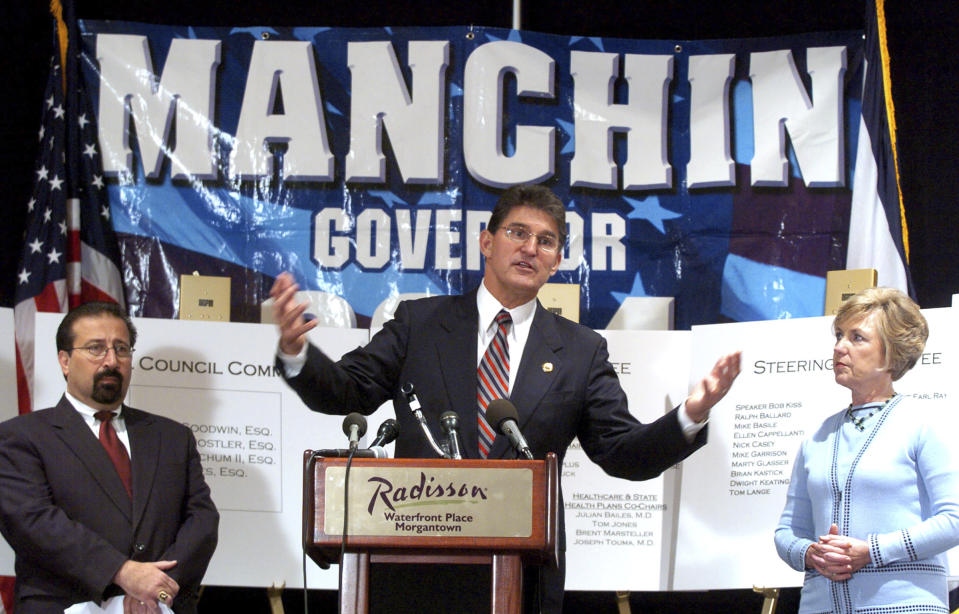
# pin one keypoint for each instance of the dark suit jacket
(65, 512)
(565, 388)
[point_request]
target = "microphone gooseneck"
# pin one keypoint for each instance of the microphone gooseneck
(414, 404)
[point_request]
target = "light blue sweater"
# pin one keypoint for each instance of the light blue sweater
(894, 485)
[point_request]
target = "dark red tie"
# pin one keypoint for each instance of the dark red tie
(114, 447)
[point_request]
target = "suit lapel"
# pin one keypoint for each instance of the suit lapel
(144, 456)
(456, 348)
(74, 432)
(538, 369)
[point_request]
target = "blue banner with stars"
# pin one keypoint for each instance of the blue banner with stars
(366, 161)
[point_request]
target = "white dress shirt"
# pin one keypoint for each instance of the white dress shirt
(522, 316)
(89, 416)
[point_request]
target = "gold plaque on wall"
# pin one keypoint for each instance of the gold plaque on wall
(561, 299)
(840, 285)
(204, 297)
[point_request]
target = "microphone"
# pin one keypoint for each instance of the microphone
(502, 415)
(354, 425)
(418, 414)
(372, 452)
(387, 433)
(450, 423)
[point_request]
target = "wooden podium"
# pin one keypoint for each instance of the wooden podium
(432, 511)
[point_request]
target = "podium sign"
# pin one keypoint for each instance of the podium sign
(444, 501)
(518, 513)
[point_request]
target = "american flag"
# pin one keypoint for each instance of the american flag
(70, 252)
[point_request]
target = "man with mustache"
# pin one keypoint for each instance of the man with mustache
(99, 499)
(461, 352)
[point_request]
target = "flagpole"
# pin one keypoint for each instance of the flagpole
(67, 21)
(891, 116)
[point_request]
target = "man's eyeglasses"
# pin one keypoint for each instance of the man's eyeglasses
(520, 234)
(100, 350)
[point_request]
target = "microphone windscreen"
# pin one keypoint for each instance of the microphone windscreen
(450, 419)
(357, 420)
(388, 432)
(499, 410)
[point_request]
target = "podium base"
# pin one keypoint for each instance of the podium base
(424, 583)
(429, 589)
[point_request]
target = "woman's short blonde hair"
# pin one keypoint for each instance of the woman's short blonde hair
(902, 328)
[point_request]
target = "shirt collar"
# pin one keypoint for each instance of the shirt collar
(88, 412)
(488, 307)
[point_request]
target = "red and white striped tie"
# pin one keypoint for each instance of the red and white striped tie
(493, 379)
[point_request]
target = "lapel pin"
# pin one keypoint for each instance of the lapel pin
(547, 367)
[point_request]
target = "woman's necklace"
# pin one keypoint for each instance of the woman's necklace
(859, 421)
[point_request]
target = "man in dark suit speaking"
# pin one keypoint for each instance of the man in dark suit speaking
(99, 499)
(462, 352)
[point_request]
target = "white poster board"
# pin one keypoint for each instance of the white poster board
(252, 429)
(618, 531)
(251, 432)
(734, 489)
(8, 403)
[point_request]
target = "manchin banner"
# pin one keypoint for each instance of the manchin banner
(367, 161)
